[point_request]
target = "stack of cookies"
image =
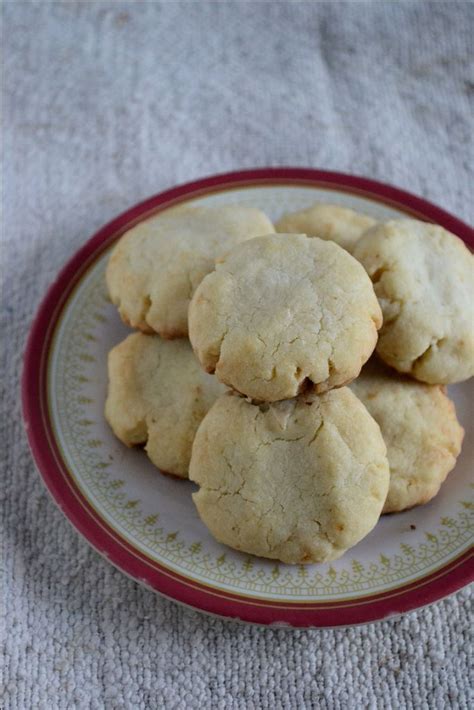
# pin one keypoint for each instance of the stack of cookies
(291, 463)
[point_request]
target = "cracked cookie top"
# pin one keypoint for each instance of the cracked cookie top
(338, 224)
(298, 481)
(155, 267)
(423, 278)
(420, 429)
(282, 311)
(157, 396)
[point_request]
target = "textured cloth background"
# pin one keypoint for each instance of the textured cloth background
(103, 105)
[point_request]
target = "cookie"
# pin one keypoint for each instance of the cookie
(156, 266)
(338, 224)
(157, 396)
(282, 311)
(420, 429)
(297, 481)
(423, 278)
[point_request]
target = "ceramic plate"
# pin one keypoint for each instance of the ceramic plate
(145, 523)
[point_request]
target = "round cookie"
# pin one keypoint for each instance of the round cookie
(155, 267)
(281, 310)
(338, 224)
(423, 278)
(419, 426)
(157, 396)
(298, 481)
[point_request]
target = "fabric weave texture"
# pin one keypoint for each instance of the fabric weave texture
(104, 104)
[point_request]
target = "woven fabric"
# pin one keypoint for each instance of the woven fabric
(104, 104)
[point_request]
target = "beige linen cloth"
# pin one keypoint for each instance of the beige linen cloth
(105, 103)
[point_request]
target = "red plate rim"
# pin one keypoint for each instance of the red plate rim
(440, 583)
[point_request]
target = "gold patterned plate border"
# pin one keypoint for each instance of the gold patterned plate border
(71, 358)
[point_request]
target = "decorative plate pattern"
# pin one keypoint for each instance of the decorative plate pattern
(146, 523)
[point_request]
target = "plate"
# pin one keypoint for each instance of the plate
(145, 523)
